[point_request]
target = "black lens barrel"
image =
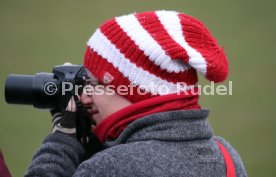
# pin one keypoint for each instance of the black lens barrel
(18, 89)
(40, 90)
(44, 90)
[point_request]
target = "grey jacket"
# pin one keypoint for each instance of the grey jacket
(168, 144)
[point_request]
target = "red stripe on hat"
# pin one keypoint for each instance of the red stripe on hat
(151, 23)
(93, 60)
(131, 51)
(198, 37)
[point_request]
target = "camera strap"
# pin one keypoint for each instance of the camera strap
(85, 136)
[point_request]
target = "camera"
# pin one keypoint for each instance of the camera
(47, 90)
(44, 90)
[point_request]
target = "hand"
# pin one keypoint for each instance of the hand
(65, 122)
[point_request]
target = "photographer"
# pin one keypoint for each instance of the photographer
(145, 131)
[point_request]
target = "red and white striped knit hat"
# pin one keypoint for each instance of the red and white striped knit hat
(159, 47)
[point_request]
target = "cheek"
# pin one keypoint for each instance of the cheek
(103, 104)
(99, 100)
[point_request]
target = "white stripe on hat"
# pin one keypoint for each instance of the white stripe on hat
(151, 48)
(136, 75)
(171, 23)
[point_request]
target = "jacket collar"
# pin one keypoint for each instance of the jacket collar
(173, 126)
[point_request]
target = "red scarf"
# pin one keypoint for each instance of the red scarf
(113, 125)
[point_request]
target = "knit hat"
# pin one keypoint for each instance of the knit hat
(154, 49)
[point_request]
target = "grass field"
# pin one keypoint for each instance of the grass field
(36, 35)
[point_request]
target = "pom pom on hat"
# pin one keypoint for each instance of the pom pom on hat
(159, 48)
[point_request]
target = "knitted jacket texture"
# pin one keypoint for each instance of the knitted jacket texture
(167, 144)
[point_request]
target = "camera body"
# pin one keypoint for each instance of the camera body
(44, 90)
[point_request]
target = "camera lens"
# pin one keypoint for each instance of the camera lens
(18, 89)
(40, 90)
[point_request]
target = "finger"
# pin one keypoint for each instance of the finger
(74, 107)
(71, 105)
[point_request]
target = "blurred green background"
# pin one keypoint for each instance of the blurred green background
(36, 35)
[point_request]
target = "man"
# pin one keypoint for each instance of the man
(146, 131)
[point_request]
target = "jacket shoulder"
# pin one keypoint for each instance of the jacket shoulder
(239, 166)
